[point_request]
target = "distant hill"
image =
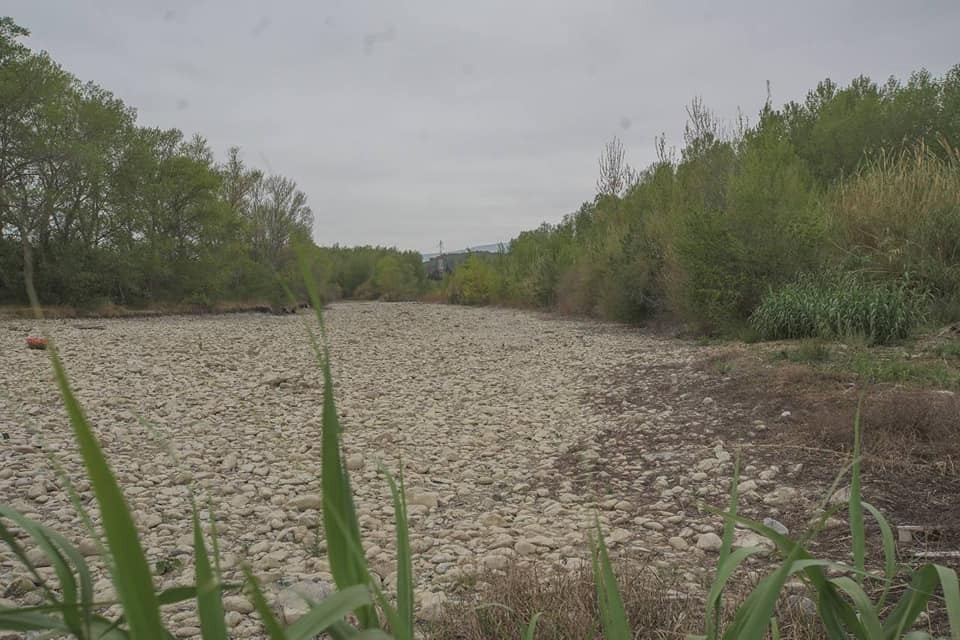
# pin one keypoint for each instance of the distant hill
(480, 248)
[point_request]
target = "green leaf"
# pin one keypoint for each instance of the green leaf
(951, 598)
(17, 620)
(857, 532)
(530, 631)
(867, 611)
(173, 595)
(402, 628)
(911, 603)
(340, 524)
(324, 614)
(612, 613)
(270, 623)
(889, 552)
(209, 602)
(131, 573)
(716, 591)
(54, 546)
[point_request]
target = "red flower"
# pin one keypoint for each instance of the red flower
(37, 343)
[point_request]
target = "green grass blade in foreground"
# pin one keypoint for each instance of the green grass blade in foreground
(716, 590)
(348, 568)
(402, 627)
(131, 573)
(612, 612)
(752, 618)
(270, 623)
(866, 609)
(16, 620)
(914, 601)
(889, 552)
(333, 608)
(77, 607)
(530, 631)
(857, 533)
(209, 601)
(834, 611)
(951, 598)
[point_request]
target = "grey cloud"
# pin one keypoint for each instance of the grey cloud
(413, 122)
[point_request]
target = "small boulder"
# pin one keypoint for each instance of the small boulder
(431, 605)
(709, 542)
(776, 525)
(678, 543)
(307, 501)
(782, 497)
(295, 601)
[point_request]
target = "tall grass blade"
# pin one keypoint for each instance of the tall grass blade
(867, 611)
(530, 632)
(131, 573)
(348, 568)
(19, 620)
(270, 623)
(77, 606)
(332, 609)
(613, 615)
(911, 603)
(951, 597)
(402, 628)
(889, 552)
(209, 601)
(716, 591)
(857, 532)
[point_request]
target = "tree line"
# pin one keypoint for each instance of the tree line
(861, 180)
(97, 209)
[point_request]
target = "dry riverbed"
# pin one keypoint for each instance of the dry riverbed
(514, 430)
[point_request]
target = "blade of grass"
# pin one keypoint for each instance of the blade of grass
(865, 607)
(270, 623)
(20, 553)
(716, 592)
(134, 583)
(531, 629)
(857, 533)
(911, 603)
(18, 620)
(834, 611)
(951, 597)
(324, 614)
(209, 601)
(130, 571)
(173, 595)
(54, 548)
(612, 612)
(347, 568)
(402, 629)
(889, 552)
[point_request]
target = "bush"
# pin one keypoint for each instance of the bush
(900, 216)
(474, 283)
(839, 306)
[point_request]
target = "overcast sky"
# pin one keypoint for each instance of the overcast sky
(407, 123)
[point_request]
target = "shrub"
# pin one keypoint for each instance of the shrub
(900, 216)
(395, 279)
(839, 305)
(473, 283)
(766, 230)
